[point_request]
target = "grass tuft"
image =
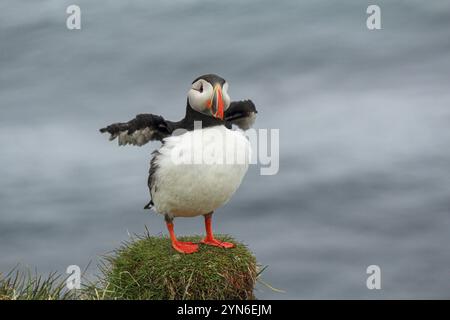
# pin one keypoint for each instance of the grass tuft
(148, 268)
(23, 285)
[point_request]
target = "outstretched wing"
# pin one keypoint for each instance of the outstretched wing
(241, 113)
(140, 130)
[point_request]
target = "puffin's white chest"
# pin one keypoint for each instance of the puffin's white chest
(198, 171)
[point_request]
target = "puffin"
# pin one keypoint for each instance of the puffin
(202, 159)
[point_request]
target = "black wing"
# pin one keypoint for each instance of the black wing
(140, 130)
(241, 113)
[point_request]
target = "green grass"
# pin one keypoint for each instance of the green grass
(24, 285)
(148, 268)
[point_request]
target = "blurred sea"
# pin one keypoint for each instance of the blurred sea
(364, 120)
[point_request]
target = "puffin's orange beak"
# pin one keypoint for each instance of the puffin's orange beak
(217, 102)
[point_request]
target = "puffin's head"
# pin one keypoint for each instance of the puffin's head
(209, 95)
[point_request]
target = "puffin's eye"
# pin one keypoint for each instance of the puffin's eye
(198, 86)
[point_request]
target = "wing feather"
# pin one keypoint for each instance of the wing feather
(242, 114)
(140, 130)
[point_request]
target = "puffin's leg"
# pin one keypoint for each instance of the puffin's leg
(209, 239)
(182, 247)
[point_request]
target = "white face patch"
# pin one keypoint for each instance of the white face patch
(201, 94)
(225, 96)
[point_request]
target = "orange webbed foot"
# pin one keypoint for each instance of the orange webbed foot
(185, 247)
(217, 243)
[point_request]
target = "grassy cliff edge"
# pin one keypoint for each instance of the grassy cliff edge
(148, 268)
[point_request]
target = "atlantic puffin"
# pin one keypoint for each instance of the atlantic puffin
(201, 161)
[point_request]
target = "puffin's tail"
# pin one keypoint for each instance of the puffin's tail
(149, 205)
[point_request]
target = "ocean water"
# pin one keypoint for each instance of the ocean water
(364, 119)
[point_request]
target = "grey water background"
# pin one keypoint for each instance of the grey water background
(364, 134)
